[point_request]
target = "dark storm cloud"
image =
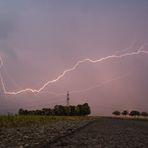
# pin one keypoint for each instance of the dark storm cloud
(9, 19)
(6, 27)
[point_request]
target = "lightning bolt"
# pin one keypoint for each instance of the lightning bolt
(114, 56)
(126, 49)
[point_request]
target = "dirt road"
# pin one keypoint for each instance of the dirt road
(107, 133)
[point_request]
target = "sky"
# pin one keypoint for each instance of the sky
(39, 40)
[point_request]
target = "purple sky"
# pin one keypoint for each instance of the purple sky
(40, 39)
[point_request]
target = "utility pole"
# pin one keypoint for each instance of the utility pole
(68, 99)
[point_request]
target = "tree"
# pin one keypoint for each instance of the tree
(83, 110)
(125, 112)
(86, 109)
(25, 112)
(134, 113)
(21, 111)
(116, 113)
(46, 111)
(60, 110)
(38, 112)
(79, 110)
(73, 111)
(145, 114)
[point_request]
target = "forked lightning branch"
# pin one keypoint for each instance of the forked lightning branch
(110, 57)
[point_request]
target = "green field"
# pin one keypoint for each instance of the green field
(31, 120)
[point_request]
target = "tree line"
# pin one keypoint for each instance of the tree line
(131, 113)
(59, 110)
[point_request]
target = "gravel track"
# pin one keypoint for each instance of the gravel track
(96, 133)
(107, 133)
(38, 135)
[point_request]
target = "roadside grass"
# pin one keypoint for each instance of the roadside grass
(10, 121)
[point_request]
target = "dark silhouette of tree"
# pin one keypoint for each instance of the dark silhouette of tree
(60, 110)
(125, 113)
(21, 111)
(83, 110)
(73, 111)
(46, 111)
(144, 114)
(38, 112)
(26, 112)
(79, 110)
(116, 113)
(134, 113)
(86, 109)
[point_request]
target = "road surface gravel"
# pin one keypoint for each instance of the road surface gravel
(107, 133)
